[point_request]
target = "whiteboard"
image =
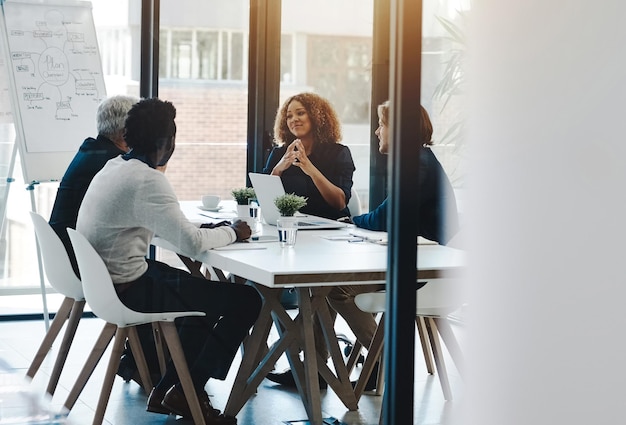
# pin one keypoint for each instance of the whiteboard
(7, 139)
(55, 79)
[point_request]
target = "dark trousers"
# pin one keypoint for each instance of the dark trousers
(211, 342)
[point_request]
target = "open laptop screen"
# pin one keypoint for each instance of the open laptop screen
(267, 188)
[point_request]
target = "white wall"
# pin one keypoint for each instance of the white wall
(548, 212)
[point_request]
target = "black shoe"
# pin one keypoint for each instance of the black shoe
(286, 379)
(175, 402)
(154, 402)
(370, 385)
(128, 371)
(127, 368)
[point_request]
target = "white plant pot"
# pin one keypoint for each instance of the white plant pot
(243, 210)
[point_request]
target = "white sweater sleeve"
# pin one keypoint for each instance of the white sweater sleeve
(127, 203)
(164, 217)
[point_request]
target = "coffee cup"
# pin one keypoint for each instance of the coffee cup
(210, 201)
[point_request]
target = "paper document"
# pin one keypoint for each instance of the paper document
(369, 235)
(240, 246)
(349, 238)
(219, 215)
(382, 237)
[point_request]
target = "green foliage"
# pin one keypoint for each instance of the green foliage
(289, 203)
(242, 195)
(452, 81)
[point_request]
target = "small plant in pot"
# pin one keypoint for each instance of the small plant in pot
(242, 195)
(289, 203)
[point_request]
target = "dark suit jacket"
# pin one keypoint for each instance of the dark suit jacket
(334, 161)
(436, 215)
(90, 158)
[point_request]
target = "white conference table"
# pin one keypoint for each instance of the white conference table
(313, 266)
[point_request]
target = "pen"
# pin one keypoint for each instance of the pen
(366, 239)
(211, 216)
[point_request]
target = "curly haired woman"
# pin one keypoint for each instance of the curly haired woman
(309, 157)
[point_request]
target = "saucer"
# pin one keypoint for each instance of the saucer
(209, 209)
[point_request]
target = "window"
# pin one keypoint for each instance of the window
(202, 54)
(340, 68)
(286, 58)
(329, 52)
(206, 50)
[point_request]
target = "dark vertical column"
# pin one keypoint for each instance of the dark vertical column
(380, 93)
(149, 71)
(406, 29)
(148, 79)
(263, 78)
(156, 35)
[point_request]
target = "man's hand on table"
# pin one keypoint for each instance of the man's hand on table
(242, 230)
(214, 225)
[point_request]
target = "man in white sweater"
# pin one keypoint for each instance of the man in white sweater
(127, 203)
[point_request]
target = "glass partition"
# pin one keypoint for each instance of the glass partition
(326, 47)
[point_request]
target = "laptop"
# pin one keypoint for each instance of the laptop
(267, 188)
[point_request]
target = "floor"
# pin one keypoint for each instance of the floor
(23, 402)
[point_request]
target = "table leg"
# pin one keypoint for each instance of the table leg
(294, 334)
(258, 361)
(220, 275)
(312, 389)
(192, 265)
(340, 383)
(373, 354)
(244, 385)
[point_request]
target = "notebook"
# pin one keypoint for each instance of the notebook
(267, 188)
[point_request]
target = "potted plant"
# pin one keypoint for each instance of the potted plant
(242, 197)
(289, 203)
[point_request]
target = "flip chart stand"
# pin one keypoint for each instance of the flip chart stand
(31, 189)
(42, 280)
(50, 61)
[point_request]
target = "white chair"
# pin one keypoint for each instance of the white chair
(435, 300)
(354, 205)
(121, 322)
(62, 278)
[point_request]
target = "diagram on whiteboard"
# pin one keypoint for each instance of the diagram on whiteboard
(6, 115)
(55, 62)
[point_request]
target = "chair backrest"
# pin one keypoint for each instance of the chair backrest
(56, 262)
(100, 293)
(97, 284)
(458, 241)
(439, 297)
(372, 302)
(354, 205)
